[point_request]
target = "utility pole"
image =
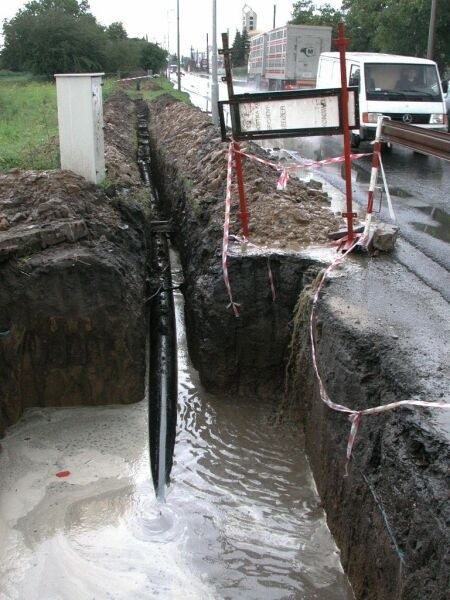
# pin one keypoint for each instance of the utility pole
(431, 30)
(168, 47)
(214, 83)
(178, 47)
(274, 14)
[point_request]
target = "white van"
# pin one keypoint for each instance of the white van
(404, 88)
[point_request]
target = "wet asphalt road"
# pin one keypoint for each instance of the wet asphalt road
(419, 186)
(420, 189)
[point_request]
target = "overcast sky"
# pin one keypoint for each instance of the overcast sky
(158, 18)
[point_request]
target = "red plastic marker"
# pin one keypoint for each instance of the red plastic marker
(63, 474)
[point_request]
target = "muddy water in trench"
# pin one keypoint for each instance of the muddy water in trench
(242, 519)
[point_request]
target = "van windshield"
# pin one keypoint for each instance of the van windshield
(397, 82)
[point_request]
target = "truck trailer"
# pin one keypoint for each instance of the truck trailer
(287, 57)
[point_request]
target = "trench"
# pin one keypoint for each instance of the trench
(162, 349)
(242, 517)
(380, 511)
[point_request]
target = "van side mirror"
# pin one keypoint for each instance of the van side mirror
(445, 86)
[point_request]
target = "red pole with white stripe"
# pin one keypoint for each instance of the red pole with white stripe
(373, 177)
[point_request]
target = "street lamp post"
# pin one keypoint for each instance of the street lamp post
(214, 83)
(178, 47)
(431, 30)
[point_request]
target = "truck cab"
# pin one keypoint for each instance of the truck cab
(403, 88)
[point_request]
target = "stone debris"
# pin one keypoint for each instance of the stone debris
(384, 237)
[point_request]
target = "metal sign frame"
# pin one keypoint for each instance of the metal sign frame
(237, 99)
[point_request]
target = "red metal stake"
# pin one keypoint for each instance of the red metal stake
(341, 42)
(242, 214)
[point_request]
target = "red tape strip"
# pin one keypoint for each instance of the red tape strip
(283, 179)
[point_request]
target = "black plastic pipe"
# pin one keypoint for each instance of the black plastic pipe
(163, 373)
(163, 384)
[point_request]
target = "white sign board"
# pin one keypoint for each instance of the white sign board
(294, 113)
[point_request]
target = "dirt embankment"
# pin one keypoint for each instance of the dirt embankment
(243, 355)
(390, 515)
(72, 264)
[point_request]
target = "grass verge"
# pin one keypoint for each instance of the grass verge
(29, 123)
(29, 118)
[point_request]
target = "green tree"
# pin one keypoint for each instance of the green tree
(237, 54)
(61, 36)
(398, 27)
(362, 19)
(153, 57)
(70, 7)
(240, 48)
(116, 31)
(51, 36)
(304, 12)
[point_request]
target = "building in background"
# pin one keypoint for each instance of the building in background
(249, 19)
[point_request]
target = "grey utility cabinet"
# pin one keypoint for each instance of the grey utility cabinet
(80, 119)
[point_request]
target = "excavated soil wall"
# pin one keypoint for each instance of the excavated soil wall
(389, 516)
(73, 270)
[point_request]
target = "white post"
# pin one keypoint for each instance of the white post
(214, 83)
(80, 121)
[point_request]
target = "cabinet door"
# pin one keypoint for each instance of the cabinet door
(99, 146)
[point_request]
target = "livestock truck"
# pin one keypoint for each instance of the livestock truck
(287, 57)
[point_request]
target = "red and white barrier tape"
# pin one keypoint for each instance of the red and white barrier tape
(133, 78)
(354, 415)
(283, 179)
(388, 194)
(226, 231)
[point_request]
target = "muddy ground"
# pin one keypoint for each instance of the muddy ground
(291, 219)
(73, 261)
